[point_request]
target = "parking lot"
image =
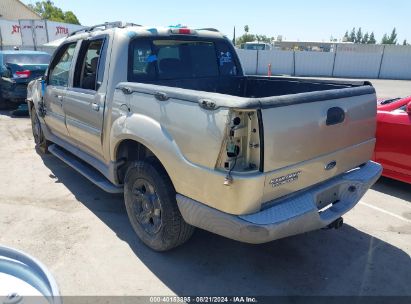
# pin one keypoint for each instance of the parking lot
(83, 236)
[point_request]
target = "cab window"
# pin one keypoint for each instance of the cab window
(170, 59)
(226, 60)
(87, 73)
(60, 67)
(185, 59)
(142, 66)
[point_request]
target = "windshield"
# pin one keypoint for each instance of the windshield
(27, 58)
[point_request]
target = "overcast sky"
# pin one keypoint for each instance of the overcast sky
(316, 20)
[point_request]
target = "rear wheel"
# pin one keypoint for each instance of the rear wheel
(38, 135)
(151, 206)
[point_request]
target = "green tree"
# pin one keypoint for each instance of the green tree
(69, 17)
(358, 36)
(247, 37)
(384, 39)
(391, 39)
(365, 39)
(372, 40)
(393, 36)
(47, 10)
(346, 37)
(263, 38)
(405, 42)
(352, 35)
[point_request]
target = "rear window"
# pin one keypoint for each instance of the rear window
(27, 58)
(164, 59)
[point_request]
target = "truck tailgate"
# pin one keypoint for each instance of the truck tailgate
(307, 143)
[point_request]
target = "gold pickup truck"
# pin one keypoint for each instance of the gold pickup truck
(167, 116)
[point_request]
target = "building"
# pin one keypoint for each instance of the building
(15, 10)
(21, 27)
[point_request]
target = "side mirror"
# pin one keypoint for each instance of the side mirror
(408, 108)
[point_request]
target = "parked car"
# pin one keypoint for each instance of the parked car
(17, 69)
(167, 116)
(393, 147)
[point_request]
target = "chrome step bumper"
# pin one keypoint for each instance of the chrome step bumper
(288, 216)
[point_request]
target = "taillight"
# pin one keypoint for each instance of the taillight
(242, 144)
(182, 31)
(22, 74)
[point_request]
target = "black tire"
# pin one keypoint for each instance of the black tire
(151, 205)
(38, 135)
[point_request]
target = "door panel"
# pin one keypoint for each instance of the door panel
(84, 118)
(55, 118)
(84, 100)
(393, 149)
(55, 90)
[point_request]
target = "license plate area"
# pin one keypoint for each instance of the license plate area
(328, 198)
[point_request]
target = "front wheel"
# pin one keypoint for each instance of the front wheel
(38, 135)
(151, 205)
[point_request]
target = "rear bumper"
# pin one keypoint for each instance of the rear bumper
(288, 216)
(15, 92)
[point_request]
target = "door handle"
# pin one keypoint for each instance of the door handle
(95, 106)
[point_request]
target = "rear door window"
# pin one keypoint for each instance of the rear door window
(89, 65)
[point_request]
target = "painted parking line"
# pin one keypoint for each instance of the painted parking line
(386, 212)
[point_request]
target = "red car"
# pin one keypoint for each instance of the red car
(393, 148)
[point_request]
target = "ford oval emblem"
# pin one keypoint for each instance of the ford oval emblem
(330, 165)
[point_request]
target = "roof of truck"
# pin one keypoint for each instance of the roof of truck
(132, 30)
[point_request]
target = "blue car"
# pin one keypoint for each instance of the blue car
(17, 69)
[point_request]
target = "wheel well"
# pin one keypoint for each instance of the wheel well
(130, 150)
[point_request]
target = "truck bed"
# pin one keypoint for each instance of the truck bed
(312, 129)
(259, 86)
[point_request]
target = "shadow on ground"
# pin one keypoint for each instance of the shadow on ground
(332, 262)
(15, 113)
(394, 188)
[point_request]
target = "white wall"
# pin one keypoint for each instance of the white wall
(314, 63)
(358, 61)
(20, 33)
(351, 60)
(248, 60)
(282, 62)
(396, 62)
(10, 32)
(57, 30)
